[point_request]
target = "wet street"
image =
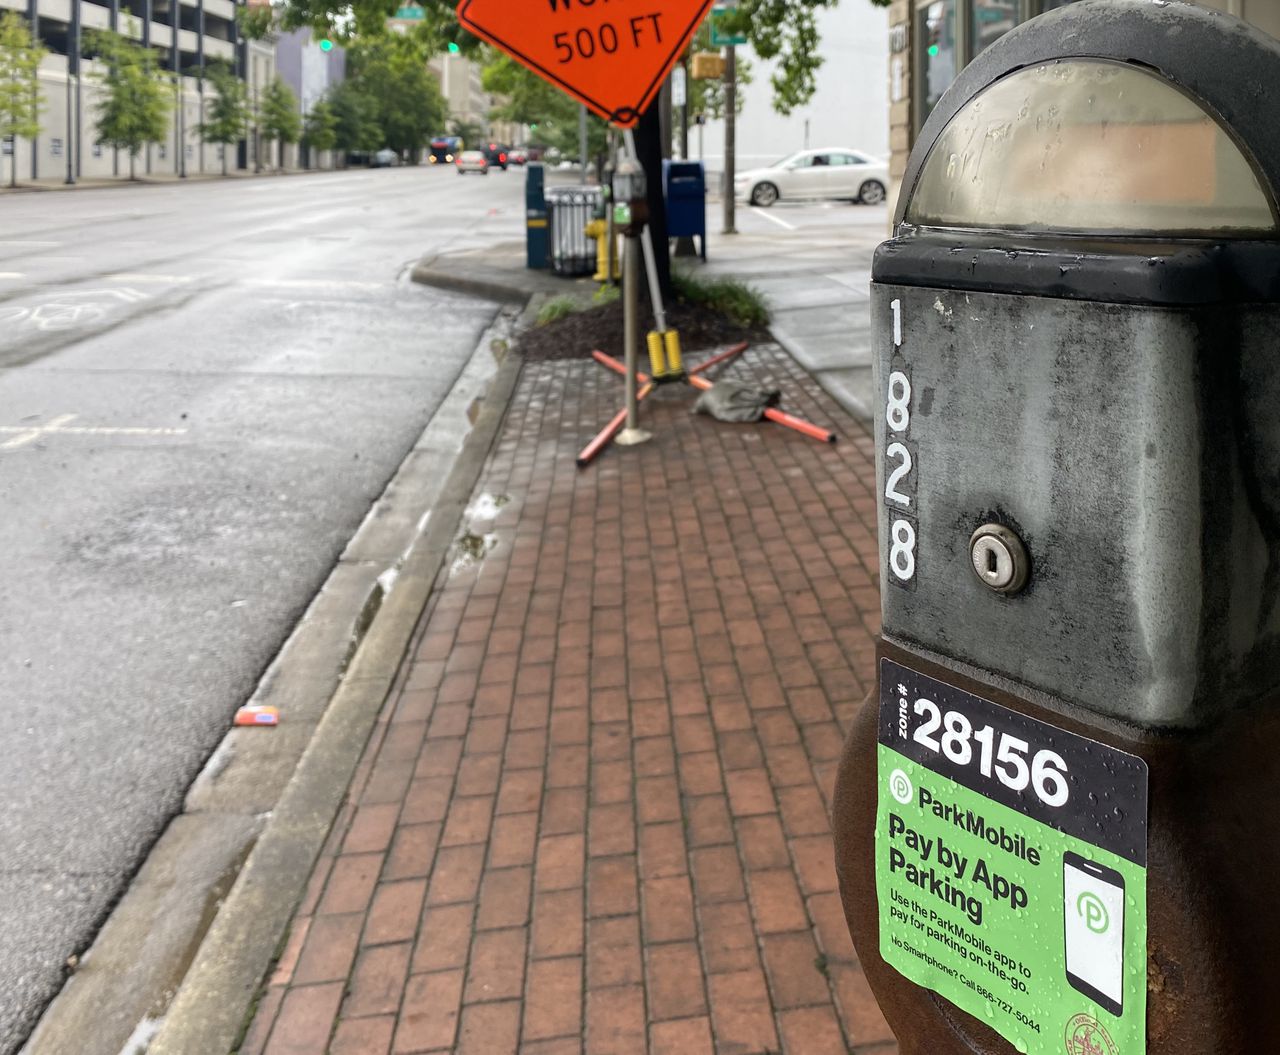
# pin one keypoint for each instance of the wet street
(203, 388)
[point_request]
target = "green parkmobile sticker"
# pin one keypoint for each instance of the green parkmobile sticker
(1011, 868)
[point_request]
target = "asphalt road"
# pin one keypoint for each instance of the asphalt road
(203, 388)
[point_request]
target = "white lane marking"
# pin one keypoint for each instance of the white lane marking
(129, 276)
(25, 434)
(10, 274)
(770, 216)
(27, 245)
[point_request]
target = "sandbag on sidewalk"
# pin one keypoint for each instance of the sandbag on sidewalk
(736, 401)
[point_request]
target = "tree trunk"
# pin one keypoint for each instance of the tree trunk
(133, 154)
(13, 164)
(224, 159)
(649, 148)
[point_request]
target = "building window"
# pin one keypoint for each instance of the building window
(937, 61)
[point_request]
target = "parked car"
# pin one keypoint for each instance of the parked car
(811, 175)
(472, 161)
(385, 158)
(496, 154)
(517, 156)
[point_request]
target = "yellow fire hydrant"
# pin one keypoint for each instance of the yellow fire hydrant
(599, 230)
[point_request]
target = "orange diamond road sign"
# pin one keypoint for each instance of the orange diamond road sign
(612, 55)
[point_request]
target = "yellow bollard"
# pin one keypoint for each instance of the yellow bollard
(675, 363)
(657, 362)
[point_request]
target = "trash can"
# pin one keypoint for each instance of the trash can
(685, 185)
(570, 209)
(1057, 819)
(535, 206)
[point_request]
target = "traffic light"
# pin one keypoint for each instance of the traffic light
(453, 48)
(326, 45)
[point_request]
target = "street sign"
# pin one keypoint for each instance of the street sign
(720, 38)
(679, 89)
(614, 63)
(410, 14)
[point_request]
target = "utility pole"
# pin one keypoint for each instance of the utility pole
(582, 141)
(73, 70)
(730, 137)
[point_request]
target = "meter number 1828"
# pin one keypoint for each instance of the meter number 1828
(1000, 755)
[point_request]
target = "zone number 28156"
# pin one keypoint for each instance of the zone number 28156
(898, 465)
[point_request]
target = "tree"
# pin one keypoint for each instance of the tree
(280, 118)
(355, 116)
(785, 32)
(529, 100)
(134, 108)
(228, 110)
(392, 72)
(707, 96)
(319, 128)
(20, 57)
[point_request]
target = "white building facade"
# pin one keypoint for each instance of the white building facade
(186, 34)
(847, 109)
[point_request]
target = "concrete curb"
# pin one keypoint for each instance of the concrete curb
(851, 403)
(209, 1010)
(425, 273)
(175, 959)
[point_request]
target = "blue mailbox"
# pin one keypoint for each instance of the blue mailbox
(685, 185)
(535, 211)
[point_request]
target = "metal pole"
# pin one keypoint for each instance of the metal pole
(632, 434)
(611, 149)
(582, 141)
(684, 114)
(646, 240)
(730, 136)
(73, 70)
(71, 175)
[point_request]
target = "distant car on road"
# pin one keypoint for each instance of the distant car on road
(809, 175)
(385, 158)
(496, 154)
(444, 149)
(517, 155)
(472, 161)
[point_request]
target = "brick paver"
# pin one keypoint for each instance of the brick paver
(593, 817)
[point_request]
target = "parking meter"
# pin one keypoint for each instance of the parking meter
(1057, 820)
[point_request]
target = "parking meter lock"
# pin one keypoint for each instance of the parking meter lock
(1057, 819)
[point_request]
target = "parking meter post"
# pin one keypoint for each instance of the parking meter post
(646, 240)
(1057, 816)
(632, 434)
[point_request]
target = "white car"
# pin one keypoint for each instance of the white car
(809, 175)
(472, 161)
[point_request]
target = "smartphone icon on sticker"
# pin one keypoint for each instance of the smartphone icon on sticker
(1093, 901)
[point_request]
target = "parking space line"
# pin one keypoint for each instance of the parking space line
(769, 216)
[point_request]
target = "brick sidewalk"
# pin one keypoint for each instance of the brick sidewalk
(593, 817)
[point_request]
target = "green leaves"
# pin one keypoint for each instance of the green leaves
(227, 113)
(280, 120)
(402, 98)
(319, 129)
(20, 57)
(785, 31)
(137, 95)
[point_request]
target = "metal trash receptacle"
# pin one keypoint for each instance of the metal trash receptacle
(569, 211)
